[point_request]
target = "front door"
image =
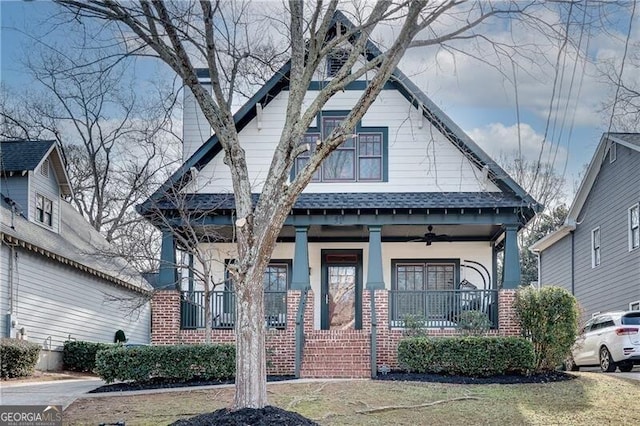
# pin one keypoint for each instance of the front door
(341, 298)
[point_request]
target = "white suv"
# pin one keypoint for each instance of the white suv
(611, 340)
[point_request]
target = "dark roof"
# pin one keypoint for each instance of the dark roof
(20, 155)
(279, 81)
(363, 200)
(631, 138)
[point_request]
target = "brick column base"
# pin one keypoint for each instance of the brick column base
(507, 321)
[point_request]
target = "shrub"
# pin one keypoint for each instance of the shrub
(174, 362)
(18, 358)
(474, 323)
(414, 326)
(549, 318)
(80, 355)
(467, 356)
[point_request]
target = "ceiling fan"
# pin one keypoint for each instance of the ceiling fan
(431, 237)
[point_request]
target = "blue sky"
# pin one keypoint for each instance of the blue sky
(475, 95)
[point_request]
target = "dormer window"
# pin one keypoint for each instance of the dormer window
(44, 169)
(335, 60)
(44, 210)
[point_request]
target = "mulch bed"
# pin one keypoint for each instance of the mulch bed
(268, 415)
(504, 379)
(162, 383)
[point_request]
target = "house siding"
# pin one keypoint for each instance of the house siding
(49, 188)
(555, 264)
(195, 127)
(17, 188)
(55, 302)
(421, 159)
(616, 281)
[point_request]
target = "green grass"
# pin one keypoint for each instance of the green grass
(591, 399)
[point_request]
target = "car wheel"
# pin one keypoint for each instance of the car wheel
(625, 367)
(570, 364)
(607, 364)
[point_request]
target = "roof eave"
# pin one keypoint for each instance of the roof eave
(552, 238)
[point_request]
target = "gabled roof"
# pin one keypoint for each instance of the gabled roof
(630, 140)
(77, 244)
(279, 82)
(18, 156)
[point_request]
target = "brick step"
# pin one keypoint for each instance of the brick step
(336, 354)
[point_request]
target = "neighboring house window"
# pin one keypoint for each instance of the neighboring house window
(44, 169)
(634, 306)
(357, 159)
(595, 247)
(421, 289)
(634, 227)
(613, 154)
(335, 60)
(44, 210)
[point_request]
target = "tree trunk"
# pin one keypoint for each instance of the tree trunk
(251, 366)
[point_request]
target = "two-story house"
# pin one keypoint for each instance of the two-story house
(56, 282)
(595, 254)
(406, 218)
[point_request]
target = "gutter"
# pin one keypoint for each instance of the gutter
(549, 240)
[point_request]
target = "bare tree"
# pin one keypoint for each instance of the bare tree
(186, 34)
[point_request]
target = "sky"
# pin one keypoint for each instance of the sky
(485, 102)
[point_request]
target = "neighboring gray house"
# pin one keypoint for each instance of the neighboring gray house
(595, 254)
(54, 285)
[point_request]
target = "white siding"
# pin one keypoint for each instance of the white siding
(49, 188)
(195, 127)
(476, 251)
(420, 159)
(4, 287)
(55, 302)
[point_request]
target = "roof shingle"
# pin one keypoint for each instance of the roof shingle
(19, 155)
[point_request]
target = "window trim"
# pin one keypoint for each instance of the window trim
(634, 306)
(630, 228)
(425, 261)
(613, 152)
(359, 129)
(595, 249)
(43, 215)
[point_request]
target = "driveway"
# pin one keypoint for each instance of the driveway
(59, 392)
(633, 374)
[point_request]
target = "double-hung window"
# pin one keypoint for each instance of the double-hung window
(634, 227)
(595, 247)
(44, 210)
(360, 158)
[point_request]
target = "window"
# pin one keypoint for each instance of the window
(358, 159)
(634, 306)
(595, 247)
(44, 210)
(634, 227)
(44, 169)
(613, 152)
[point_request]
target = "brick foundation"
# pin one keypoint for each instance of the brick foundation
(327, 353)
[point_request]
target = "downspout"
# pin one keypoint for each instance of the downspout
(374, 335)
(9, 315)
(573, 264)
(539, 270)
(300, 331)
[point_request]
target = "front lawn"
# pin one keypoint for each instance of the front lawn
(591, 399)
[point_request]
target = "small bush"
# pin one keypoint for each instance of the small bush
(174, 362)
(474, 323)
(467, 356)
(414, 326)
(18, 358)
(549, 318)
(81, 356)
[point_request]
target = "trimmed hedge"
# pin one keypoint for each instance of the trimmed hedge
(174, 362)
(467, 356)
(18, 358)
(81, 356)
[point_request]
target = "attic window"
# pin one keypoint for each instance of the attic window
(335, 60)
(44, 210)
(44, 169)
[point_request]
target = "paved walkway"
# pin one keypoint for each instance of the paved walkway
(55, 392)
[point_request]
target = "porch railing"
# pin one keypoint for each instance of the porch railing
(441, 308)
(223, 309)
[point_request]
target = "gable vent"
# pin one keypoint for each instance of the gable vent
(44, 169)
(335, 60)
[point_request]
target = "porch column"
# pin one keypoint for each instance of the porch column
(374, 267)
(167, 276)
(374, 282)
(300, 278)
(511, 274)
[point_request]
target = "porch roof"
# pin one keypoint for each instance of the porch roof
(360, 200)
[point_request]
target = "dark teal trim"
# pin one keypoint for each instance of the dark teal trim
(511, 269)
(494, 266)
(167, 276)
(324, 315)
(191, 272)
(300, 279)
(375, 280)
